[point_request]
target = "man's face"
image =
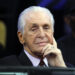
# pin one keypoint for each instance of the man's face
(38, 32)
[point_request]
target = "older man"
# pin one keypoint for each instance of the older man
(35, 32)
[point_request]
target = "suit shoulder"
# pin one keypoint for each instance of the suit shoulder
(9, 60)
(9, 57)
(66, 38)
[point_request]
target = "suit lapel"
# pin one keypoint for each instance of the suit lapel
(24, 60)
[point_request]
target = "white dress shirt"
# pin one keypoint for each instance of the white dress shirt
(35, 61)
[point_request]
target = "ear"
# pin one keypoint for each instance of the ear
(20, 36)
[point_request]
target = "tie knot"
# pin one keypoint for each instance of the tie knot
(41, 62)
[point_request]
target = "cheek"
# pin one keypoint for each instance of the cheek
(30, 38)
(50, 38)
(50, 34)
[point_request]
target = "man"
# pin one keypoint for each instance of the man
(35, 32)
(67, 43)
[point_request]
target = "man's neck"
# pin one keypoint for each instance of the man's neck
(33, 54)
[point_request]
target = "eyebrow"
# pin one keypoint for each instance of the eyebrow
(34, 25)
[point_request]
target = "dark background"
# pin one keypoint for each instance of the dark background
(10, 10)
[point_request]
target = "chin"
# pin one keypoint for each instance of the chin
(39, 54)
(40, 49)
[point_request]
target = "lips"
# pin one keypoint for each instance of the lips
(41, 43)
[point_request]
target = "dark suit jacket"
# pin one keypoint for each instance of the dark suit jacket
(16, 60)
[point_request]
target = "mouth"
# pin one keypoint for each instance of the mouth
(41, 43)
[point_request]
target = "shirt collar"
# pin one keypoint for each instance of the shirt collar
(35, 61)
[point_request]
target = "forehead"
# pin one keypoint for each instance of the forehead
(38, 17)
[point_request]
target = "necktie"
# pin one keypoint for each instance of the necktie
(42, 63)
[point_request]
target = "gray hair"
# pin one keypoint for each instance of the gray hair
(22, 16)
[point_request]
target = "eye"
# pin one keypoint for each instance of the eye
(34, 27)
(46, 26)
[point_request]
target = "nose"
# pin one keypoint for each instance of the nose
(41, 33)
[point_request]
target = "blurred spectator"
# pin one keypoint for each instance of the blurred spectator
(67, 43)
(2, 38)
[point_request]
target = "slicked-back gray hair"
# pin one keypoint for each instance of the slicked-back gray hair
(22, 16)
